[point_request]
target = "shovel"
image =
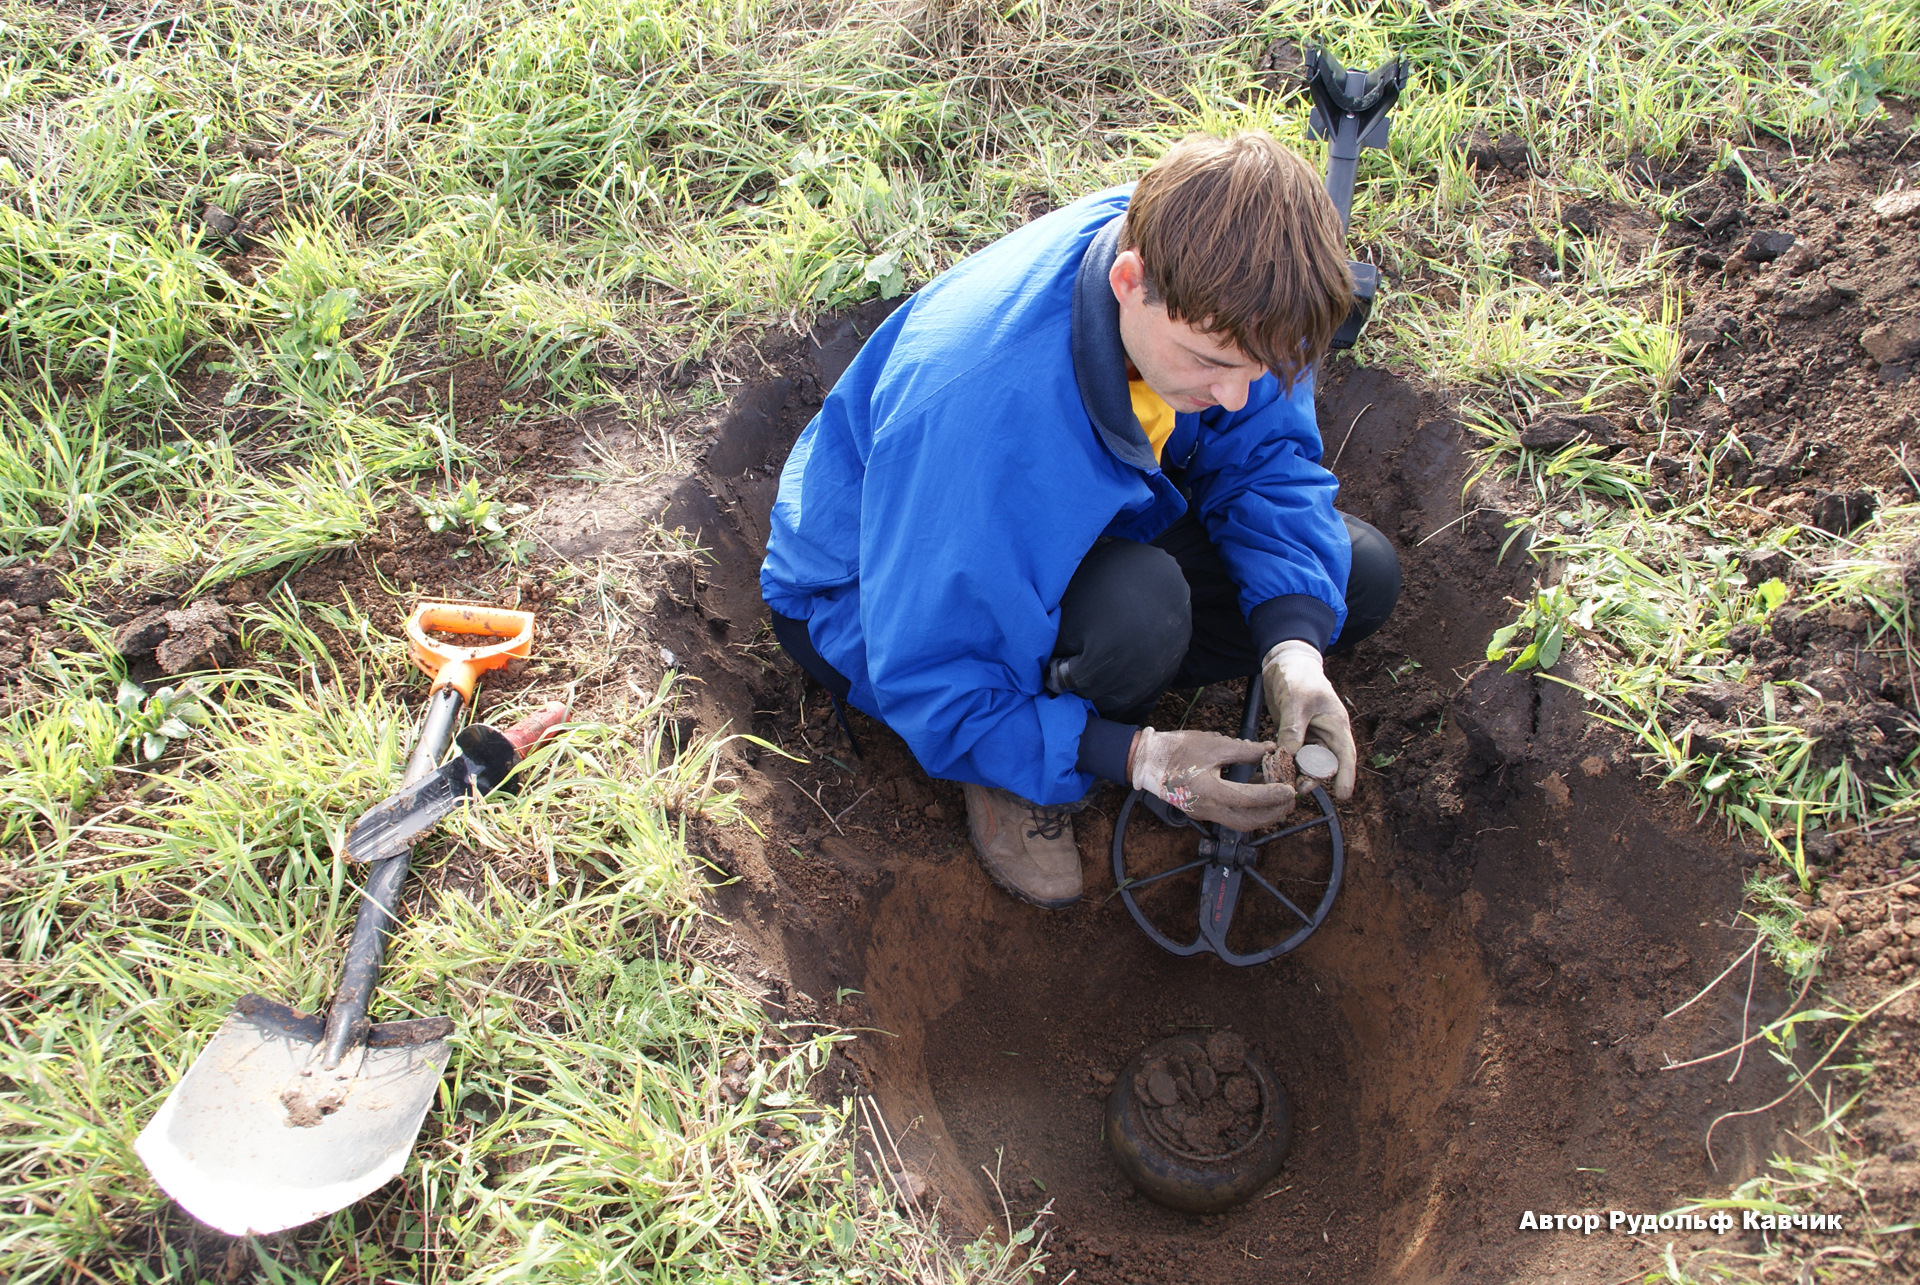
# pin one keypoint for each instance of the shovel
(286, 1117)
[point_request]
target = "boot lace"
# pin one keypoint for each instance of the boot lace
(1048, 825)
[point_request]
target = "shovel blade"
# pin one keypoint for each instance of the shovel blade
(251, 1143)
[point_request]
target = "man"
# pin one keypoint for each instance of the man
(1076, 469)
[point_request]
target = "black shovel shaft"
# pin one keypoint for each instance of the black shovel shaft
(347, 1018)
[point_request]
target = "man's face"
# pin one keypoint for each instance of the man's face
(1191, 370)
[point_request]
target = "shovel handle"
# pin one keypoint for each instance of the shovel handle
(455, 671)
(534, 728)
(367, 948)
(461, 667)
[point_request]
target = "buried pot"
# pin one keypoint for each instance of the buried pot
(1199, 1127)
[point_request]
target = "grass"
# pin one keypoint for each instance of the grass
(568, 198)
(580, 1132)
(1657, 598)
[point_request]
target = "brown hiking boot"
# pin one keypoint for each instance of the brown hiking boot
(1026, 848)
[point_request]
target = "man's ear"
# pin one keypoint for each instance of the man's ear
(1128, 277)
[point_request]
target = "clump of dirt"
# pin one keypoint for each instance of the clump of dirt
(1878, 914)
(1277, 768)
(1199, 1100)
(27, 633)
(1865, 691)
(32, 584)
(197, 635)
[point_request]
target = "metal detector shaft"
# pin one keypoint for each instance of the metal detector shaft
(1350, 111)
(347, 1018)
(1249, 731)
(1343, 157)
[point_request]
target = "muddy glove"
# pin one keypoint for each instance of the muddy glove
(1183, 768)
(1302, 701)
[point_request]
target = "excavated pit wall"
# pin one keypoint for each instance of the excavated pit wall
(1475, 1032)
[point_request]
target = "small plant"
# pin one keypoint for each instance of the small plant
(485, 518)
(312, 346)
(854, 211)
(1767, 597)
(152, 723)
(844, 283)
(1550, 616)
(1848, 85)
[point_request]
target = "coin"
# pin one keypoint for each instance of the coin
(1316, 761)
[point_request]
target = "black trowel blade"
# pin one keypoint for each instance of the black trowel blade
(392, 826)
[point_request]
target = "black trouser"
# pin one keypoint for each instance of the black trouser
(1140, 618)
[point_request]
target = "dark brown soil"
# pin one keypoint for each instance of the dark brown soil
(1802, 343)
(1476, 1031)
(1801, 351)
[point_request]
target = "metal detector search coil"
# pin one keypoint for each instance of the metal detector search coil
(1229, 863)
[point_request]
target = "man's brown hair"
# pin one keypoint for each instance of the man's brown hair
(1240, 241)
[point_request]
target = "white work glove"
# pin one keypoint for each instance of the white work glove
(1183, 768)
(1302, 701)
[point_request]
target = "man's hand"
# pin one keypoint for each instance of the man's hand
(1302, 701)
(1183, 768)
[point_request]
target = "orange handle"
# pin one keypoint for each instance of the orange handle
(461, 667)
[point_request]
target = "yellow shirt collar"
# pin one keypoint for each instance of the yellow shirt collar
(1155, 416)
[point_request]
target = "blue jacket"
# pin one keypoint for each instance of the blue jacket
(931, 515)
